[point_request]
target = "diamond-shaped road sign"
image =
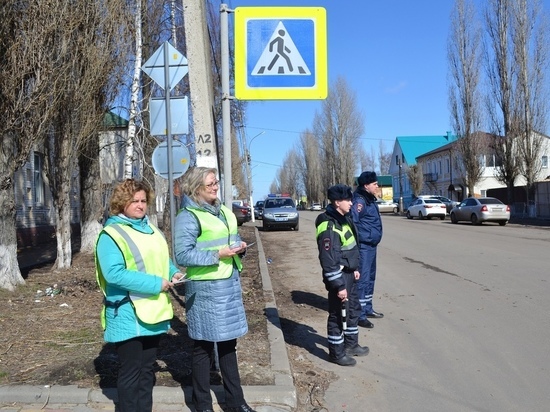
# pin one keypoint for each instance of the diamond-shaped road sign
(177, 66)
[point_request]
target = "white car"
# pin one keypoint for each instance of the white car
(426, 208)
(316, 206)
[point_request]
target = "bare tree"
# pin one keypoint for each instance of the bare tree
(464, 53)
(367, 161)
(289, 176)
(310, 167)
(26, 71)
(339, 125)
(384, 158)
(500, 102)
(530, 42)
(80, 45)
(416, 179)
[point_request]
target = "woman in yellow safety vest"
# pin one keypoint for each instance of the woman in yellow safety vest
(208, 245)
(134, 271)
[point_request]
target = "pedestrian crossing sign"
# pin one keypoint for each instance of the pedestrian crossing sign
(280, 53)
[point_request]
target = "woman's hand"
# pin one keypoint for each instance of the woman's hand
(165, 285)
(227, 252)
(177, 276)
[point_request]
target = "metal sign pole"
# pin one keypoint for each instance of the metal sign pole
(167, 90)
(226, 98)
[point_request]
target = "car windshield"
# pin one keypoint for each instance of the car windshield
(432, 201)
(272, 203)
(490, 201)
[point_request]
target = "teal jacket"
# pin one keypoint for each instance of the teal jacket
(124, 324)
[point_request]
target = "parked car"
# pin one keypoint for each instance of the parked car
(242, 213)
(479, 210)
(387, 206)
(259, 209)
(427, 208)
(448, 202)
(280, 212)
(316, 207)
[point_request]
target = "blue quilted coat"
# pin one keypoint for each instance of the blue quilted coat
(214, 308)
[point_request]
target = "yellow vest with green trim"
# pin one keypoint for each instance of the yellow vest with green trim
(346, 234)
(144, 252)
(215, 235)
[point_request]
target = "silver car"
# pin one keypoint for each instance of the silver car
(280, 212)
(479, 210)
(387, 206)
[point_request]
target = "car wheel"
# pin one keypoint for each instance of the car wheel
(502, 222)
(420, 216)
(297, 227)
(442, 217)
(453, 218)
(265, 227)
(474, 219)
(396, 210)
(429, 217)
(409, 215)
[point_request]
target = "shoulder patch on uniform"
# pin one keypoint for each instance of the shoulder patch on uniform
(359, 207)
(326, 244)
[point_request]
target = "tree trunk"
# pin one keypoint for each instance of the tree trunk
(62, 202)
(90, 196)
(10, 275)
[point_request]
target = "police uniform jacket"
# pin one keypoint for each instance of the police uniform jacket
(335, 261)
(366, 217)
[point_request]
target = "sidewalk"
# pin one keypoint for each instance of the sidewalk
(279, 397)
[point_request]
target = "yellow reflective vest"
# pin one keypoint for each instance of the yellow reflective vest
(215, 235)
(153, 259)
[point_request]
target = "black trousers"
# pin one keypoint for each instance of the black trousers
(338, 338)
(203, 355)
(136, 377)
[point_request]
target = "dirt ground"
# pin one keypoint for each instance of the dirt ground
(51, 332)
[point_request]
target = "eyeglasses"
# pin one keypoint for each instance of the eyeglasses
(213, 184)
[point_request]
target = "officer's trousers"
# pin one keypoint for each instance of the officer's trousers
(338, 338)
(365, 286)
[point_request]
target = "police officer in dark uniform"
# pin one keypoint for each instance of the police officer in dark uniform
(366, 217)
(339, 258)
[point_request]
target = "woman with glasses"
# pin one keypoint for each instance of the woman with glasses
(208, 245)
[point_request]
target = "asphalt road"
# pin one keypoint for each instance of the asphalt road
(467, 319)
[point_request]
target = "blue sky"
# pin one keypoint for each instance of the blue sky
(393, 55)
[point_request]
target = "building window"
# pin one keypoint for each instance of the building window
(545, 162)
(38, 181)
(482, 160)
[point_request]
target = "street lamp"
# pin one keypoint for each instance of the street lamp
(249, 173)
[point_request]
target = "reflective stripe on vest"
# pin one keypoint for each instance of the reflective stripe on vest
(346, 234)
(215, 235)
(154, 260)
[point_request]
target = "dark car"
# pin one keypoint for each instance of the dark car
(242, 213)
(449, 204)
(259, 209)
(280, 212)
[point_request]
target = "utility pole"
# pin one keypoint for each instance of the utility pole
(200, 82)
(226, 104)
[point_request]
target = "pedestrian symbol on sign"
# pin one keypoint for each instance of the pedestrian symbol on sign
(280, 56)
